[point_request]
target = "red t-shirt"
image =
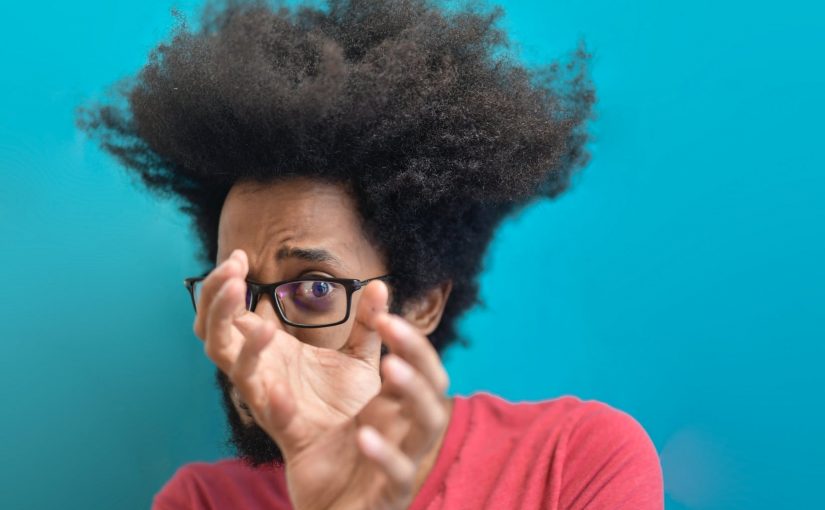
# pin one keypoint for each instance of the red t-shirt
(560, 454)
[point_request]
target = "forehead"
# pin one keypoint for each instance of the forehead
(265, 219)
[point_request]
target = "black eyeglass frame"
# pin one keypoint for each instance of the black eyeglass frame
(258, 289)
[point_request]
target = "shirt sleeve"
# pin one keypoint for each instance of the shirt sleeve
(175, 494)
(611, 463)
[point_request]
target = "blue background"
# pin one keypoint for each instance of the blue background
(680, 280)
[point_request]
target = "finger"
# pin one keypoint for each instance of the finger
(408, 343)
(364, 342)
(236, 265)
(247, 322)
(420, 404)
(244, 370)
(262, 389)
(222, 346)
(399, 469)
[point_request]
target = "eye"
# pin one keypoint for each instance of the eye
(313, 301)
(316, 295)
(314, 289)
(320, 289)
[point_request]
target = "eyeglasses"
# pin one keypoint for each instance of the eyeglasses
(311, 302)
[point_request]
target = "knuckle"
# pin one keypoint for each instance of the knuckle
(419, 387)
(198, 330)
(215, 353)
(407, 478)
(440, 419)
(442, 381)
(210, 350)
(434, 421)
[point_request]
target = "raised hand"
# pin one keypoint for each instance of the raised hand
(303, 388)
(346, 445)
(375, 460)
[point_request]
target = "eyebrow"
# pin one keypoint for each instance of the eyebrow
(318, 255)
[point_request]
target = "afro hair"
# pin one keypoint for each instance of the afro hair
(420, 110)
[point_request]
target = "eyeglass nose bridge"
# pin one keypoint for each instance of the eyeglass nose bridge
(253, 295)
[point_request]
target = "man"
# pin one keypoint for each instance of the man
(345, 169)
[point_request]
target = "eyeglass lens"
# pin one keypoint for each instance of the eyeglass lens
(313, 302)
(306, 302)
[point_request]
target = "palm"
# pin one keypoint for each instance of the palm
(331, 393)
(328, 387)
(332, 474)
(318, 403)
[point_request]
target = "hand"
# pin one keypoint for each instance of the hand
(345, 446)
(378, 459)
(319, 387)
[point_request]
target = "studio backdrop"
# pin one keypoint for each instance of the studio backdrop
(680, 279)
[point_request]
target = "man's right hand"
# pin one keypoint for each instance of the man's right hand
(290, 386)
(349, 440)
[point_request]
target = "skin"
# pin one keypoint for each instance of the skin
(356, 430)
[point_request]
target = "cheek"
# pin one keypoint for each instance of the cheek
(329, 338)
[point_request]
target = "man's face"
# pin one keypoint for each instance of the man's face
(290, 229)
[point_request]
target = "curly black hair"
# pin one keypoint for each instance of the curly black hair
(420, 109)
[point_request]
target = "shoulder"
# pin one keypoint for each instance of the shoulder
(562, 415)
(582, 422)
(599, 424)
(181, 490)
(609, 460)
(206, 485)
(596, 455)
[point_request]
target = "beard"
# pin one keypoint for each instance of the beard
(249, 441)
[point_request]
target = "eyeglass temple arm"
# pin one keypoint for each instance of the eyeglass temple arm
(363, 283)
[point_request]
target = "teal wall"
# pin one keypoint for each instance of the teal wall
(681, 279)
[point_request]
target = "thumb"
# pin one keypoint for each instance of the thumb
(364, 342)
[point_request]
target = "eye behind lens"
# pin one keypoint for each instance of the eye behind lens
(314, 301)
(321, 288)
